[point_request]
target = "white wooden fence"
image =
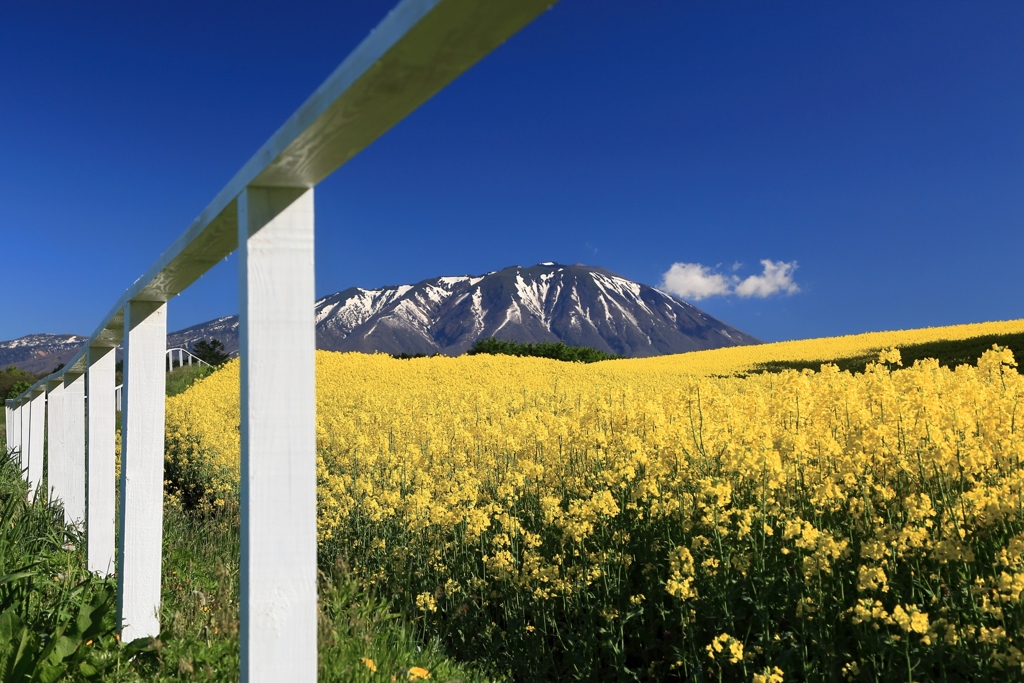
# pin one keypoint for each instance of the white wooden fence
(266, 212)
(178, 357)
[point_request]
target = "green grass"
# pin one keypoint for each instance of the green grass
(57, 620)
(200, 614)
(181, 378)
(949, 354)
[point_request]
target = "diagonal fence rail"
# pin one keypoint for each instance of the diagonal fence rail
(266, 212)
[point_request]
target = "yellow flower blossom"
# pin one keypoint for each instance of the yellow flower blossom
(426, 602)
(768, 675)
(725, 643)
(910, 619)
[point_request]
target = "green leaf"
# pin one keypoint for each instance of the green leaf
(140, 645)
(64, 648)
(9, 623)
(49, 674)
(25, 660)
(85, 620)
(17, 576)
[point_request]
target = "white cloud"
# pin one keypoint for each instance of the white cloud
(776, 278)
(694, 281)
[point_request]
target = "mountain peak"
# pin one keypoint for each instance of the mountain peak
(577, 304)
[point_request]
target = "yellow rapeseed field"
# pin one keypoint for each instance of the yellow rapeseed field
(645, 519)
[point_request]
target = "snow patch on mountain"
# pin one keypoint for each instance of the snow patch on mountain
(33, 340)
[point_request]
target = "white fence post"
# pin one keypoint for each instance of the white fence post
(74, 447)
(26, 433)
(56, 462)
(142, 470)
(278, 484)
(16, 442)
(14, 426)
(37, 420)
(100, 506)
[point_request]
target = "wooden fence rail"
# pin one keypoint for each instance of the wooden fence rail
(266, 212)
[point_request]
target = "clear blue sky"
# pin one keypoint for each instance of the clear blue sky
(873, 152)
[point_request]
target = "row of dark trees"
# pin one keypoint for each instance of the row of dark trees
(553, 350)
(211, 352)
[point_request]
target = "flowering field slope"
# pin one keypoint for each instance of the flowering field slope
(727, 361)
(642, 519)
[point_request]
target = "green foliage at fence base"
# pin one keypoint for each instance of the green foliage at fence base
(57, 620)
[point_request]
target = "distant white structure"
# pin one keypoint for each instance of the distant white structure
(176, 358)
(266, 212)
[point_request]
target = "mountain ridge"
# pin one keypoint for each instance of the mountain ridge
(576, 304)
(40, 352)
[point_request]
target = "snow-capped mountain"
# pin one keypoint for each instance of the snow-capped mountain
(39, 352)
(579, 305)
